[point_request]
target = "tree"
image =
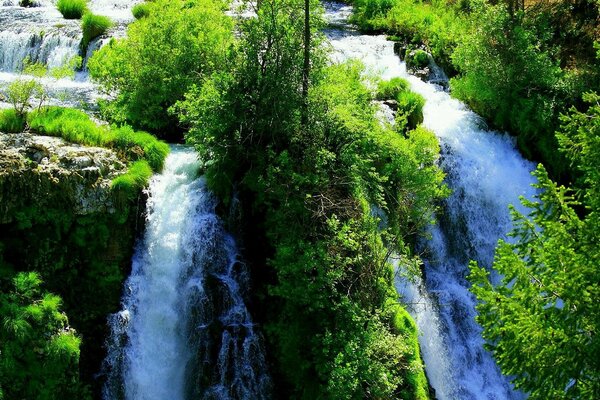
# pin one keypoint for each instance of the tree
(542, 321)
(39, 352)
(177, 44)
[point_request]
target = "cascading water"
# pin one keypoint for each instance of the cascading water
(184, 331)
(42, 35)
(486, 174)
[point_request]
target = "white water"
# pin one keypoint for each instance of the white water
(43, 35)
(184, 331)
(486, 174)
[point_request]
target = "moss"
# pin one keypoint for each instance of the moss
(72, 9)
(128, 185)
(93, 26)
(11, 121)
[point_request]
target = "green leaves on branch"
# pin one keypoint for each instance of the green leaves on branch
(542, 320)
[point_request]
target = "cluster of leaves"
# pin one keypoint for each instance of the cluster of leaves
(39, 352)
(410, 104)
(542, 320)
(308, 188)
(176, 44)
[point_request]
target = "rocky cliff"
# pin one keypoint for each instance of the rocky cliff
(59, 217)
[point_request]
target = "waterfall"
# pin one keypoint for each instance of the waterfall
(184, 331)
(42, 35)
(486, 174)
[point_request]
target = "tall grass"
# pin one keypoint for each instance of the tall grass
(93, 26)
(11, 121)
(72, 9)
(77, 127)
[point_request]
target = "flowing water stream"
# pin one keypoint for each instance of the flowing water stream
(184, 331)
(486, 174)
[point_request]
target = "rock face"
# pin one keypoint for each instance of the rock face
(49, 171)
(60, 218)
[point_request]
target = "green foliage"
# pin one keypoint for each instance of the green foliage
(72, 9)
(140, 10)
(39, 352)
(390, 90)
(310, 188)
(507, 75)
(417, 59)
(177, 44)
(410, 109)
(93, 26)
(11, 121)
(77, 127)
(129, 185)
(22, 92)
(541, 320)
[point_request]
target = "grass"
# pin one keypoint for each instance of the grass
(410, 107)
(141, 10)
(388, 90)
(11, 121)
(417, 59)
(146, 152)
(72, 9)
(93, 26)
(130, 183)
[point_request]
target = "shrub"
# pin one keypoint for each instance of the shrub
(410, 109)
(11, 121)
(140, 10)
(72, 9)
(387, 90)
(417, 59)
(93, 26)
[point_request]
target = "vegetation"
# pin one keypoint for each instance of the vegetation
(162, 56)
(542, 320)
(308, 185)
(11, 121)
(520, 68)
(72, 9)
(140, 10)
(39, 352)
(77, 127)
(93, 26)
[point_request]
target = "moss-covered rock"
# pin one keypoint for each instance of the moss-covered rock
(61, 217)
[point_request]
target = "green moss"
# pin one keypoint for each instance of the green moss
(140, 10)
(93, 26)
(72, 9)
(11, 121)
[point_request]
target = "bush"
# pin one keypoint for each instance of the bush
(93, 26)
(72, 9)
(140, 10)
(11, 121)
(410, 109)
(178, 44)
(417, 59)
(388, 90)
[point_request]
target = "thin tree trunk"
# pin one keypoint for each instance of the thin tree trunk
(306, 68)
